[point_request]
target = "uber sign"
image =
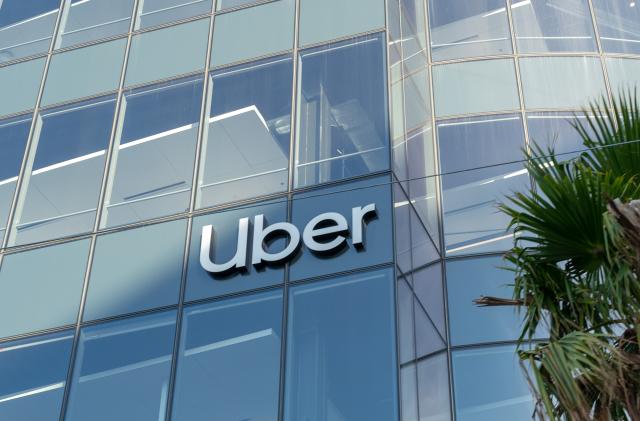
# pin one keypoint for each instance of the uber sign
(326, 234)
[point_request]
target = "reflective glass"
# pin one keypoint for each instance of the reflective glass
(414, 34)
(64, 184)
(34, 372)
(461, 28)
(618, 25)
(89, 20)
(122, 370)
(556, 130)
(229, 361)
(227, 4)
(428, 339)
(246, 148)
(417, 100)
(402, 224)
(423, 248)
(508, 398)
(135, 270)
(342, 115)
(553, 25)
(408, 389)
(377, 231)
(157, 12)
(561, 82)
(405, 322)
(167, 52)
(330, 19)
(343, 332)
(26, 27)
(19, 84)
(225, 227)
(471, 153)
(41, 289)
(469, 279)
(474, 87)
(253, 32)
(433, 389)
(84, 72)
(624, 74)
(427, 284)
(13, 138)
(154, 159)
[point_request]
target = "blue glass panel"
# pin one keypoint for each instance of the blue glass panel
(556, 130)
(618, 25)
(41, 289)
(202, 284)
(342, 115)
(94, 19)
(63, 190)
(246, 152)
(341, 199)
(405, 322)
(342, 331)
(508, 397)
(433, 388)
(26, 27)
(34, 372)
(469, 279)
(471, 150)
(13, 138)
(155, 158)
(136, 270)
(461, 28)
(229, 363)
(122, 370)
(157, 12)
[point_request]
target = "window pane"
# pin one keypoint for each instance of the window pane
(227, 4)
(508, 398)
(246, 150)
(94, 19)
(428, 340)
(408, 388)
(461, 28)
(471, 151)
(405, 322)
(229, 363)
(561, 82)
(63, 189)
(122, 370)
(157, 12)
(624, 74)
(154, 160)
(556, 130)
(377, 231)
(474, 87)
(253, 32)
(34, 372)
(84, 72)
(552, 25)
(330, 19)
(30, 280)
(342, 116)
(167, 52)
(13, 138)
(136, 270)
(202, 284)
(618, 25)
(414, 34)
(427, 284)
(342, 331)
(26, 27)
(469, 279)
(19, 85)
(433, 388)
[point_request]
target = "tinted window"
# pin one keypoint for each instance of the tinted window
(34, 372)
(618, 25)
(342, 331)
(63, 190)
(157, 12)
(229, 363)
(95, 19)
(19, 85)
(156, 153)
(246, 151)
(122, 370)
(342, 117)
(26, 27)
(433, 388)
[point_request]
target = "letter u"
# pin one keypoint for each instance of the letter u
(238, 261)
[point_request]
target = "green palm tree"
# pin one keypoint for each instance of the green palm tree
(577, 266)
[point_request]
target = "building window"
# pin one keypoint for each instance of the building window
(342, 127)
(157, 12)
(229, 361)
(618, 25)
(19, 84)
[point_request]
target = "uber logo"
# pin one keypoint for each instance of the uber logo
(326, 233)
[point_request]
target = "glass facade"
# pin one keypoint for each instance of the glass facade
(278, 209)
